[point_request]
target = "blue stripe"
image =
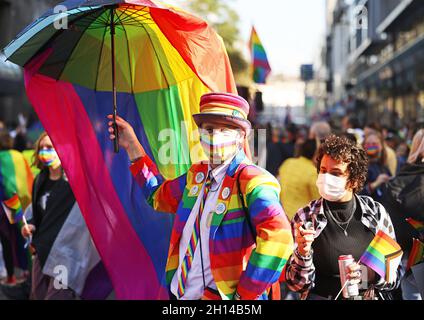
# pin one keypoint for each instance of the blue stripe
(146, 222)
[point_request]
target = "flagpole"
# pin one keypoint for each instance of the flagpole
(29, 240)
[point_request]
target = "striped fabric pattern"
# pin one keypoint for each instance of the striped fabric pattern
(239, 262)
(15, 213)
(192, 245)
(260, 65)
(16, 179)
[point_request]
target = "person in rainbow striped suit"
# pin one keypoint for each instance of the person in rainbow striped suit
(231, 238)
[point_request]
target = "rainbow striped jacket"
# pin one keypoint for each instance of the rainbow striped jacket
(239, 262)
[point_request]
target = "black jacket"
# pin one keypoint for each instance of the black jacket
(404, 198)
(59, 204)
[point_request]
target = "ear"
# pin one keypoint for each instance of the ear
(351, 185)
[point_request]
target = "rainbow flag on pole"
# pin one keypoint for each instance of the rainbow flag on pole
(13, 209)
(419, 226)
(417, 254)
(16, 181)
(383, 255)
(260, 67)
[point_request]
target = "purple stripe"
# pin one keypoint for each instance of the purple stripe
(374, 263)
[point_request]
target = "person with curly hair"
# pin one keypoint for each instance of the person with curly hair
(341, 222)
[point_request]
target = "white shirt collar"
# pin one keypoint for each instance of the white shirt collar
(219, 172)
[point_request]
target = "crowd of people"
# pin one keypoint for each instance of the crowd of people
(326, 193)
(385, 166)
(52, 220)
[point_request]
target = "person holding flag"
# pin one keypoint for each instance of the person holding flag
(231, 237)
(340, 223)
(63, 252)
(15, 196)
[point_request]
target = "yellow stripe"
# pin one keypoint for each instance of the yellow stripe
(172, 262)
(264, 179)
(222, 108)
(384, 247)
(190, 92)
(21, 178)
(275, 248)
(228, 286)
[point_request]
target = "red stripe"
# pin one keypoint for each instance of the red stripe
(199, 45)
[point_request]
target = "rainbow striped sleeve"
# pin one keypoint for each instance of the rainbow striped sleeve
(274, 241)
(163, 195)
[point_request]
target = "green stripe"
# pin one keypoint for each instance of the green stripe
(233, 221)
(170, 275)
(7, 170)
(259, 47)
(377, 254)
(188, 201)
(267, 262)
(262, 192)
(161, 113)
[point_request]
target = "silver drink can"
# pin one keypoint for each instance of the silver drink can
(350, 290)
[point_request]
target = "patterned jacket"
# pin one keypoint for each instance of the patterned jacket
(239, 262)
(300, 271)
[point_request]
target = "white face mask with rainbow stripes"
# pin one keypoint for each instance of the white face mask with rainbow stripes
(49, 158)
(220, 146)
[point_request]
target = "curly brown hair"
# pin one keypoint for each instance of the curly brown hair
(344, 150)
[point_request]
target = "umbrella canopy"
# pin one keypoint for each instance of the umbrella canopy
(165, 60)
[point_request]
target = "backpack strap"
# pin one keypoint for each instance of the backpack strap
(245, 209)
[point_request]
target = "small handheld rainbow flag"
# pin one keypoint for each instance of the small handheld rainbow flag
(416, 224)
(383, 255)
(417, 254)
(13, 209)
(260, 65)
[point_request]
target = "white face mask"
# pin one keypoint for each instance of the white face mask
(330, 187)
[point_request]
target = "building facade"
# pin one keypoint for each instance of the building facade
(375, 55)
(15, 15)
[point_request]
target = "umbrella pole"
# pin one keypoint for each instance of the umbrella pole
(112, 39)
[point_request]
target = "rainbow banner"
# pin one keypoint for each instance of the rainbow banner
(165, 60)
(260, 67)
(416, 255)
(383, 255)
(13, 209)
(419, 226)
(16, 181)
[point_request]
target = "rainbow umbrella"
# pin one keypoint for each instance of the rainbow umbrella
(165, 59)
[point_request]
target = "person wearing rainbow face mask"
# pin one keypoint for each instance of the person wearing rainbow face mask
(231, 237)
(378, 172)
(52, 200)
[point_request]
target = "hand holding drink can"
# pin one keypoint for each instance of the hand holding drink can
(351, 288)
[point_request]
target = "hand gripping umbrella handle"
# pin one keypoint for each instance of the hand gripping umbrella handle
(116, 132)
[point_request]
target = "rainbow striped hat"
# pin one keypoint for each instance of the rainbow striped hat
(223, 108)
